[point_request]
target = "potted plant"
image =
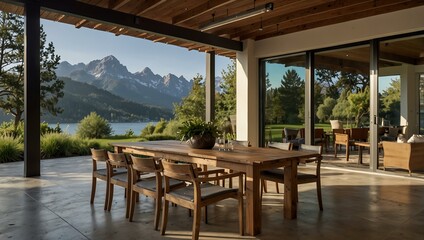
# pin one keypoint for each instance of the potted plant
(198, 133)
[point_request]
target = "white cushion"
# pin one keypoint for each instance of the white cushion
(401, 139)
(416, 138)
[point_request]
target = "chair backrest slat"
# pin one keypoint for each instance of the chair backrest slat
(117, 159)
(99, 154)
(282, 146)
(179, 171)
(145, 164)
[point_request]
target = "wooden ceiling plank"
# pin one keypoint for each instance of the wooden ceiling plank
(320, 9)
(108, 16)
(116, 4)
(146, 5)
(199, 10)
(338, 15)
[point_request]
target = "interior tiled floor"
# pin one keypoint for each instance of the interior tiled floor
(357, 205)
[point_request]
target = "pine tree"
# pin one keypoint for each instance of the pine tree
(12, 69)
(192, 106)
(291, 95)
(226, 99)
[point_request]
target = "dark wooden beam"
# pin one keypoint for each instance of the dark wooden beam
(32, 90)
(87, 11)
(199, 10)
(108, 16)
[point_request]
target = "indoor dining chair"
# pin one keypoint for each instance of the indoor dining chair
(147, 179)
(282, 146)
(199, 193)
(277, 175)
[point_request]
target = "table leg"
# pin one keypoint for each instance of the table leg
(253, 202)
(360, 155)
(290, 190)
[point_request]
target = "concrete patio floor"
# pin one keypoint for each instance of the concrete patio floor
(357, 205)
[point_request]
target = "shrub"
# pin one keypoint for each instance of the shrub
(160, 126)
(148, 130)
(154, 137)
(64, 145)
(93, 126)
(172, 128)
(56, 145)
(129, 133)
(11, 150)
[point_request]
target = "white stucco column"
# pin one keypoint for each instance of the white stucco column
(409, 100)
(247, 94)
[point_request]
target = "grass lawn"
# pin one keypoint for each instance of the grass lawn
(104, 142)
(274, 132)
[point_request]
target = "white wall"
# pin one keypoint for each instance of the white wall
(247, 94)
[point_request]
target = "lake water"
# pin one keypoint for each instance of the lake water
(117, 128)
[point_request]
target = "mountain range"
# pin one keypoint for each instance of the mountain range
(143, 87)
(81, 98)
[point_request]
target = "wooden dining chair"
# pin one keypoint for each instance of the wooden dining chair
(146, 179)
(99, 156)
(282, 146)
(342, 139)
(119, 161)
(277, 175)
(198, 194)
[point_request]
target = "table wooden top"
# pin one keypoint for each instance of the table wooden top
(240, 154)
(367, 144)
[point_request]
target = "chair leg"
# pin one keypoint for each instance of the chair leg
(164, 217)
(127, 205)
(319, 194)
(93, 189)
(276, 187)
(158, 203)
(347, 153)
(196, 223)
(110, 198)
(107, 196)
(241, 215)
(205, 216)
(132, 205)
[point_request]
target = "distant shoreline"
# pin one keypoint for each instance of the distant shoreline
(117, 128)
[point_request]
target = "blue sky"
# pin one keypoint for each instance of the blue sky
(84, 45)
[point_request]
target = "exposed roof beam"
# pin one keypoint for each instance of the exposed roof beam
(116, 4)
(287, 16)
(146, 5)
(391, 57)
(81, 23)
(199, 10)
(108, 16)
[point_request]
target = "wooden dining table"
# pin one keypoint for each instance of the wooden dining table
(249, 160)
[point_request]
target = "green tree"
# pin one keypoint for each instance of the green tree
(326, 78)
(226, 99)
(291, 95)
(93, 126)
(390, 102)
(192, 106)
(12, 69)
(359, 105)
(324, 110)
(341, 109)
